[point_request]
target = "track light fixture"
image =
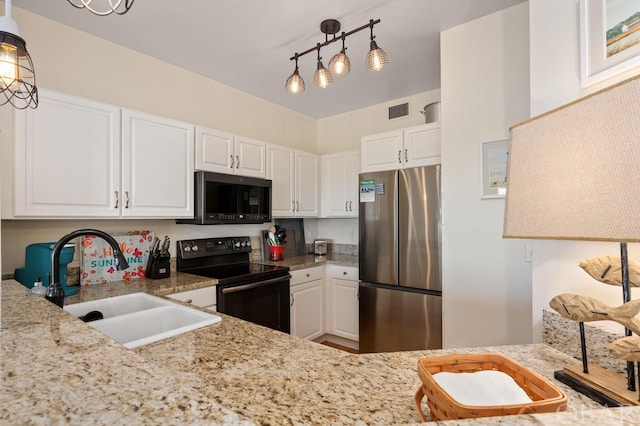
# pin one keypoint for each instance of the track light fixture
(322, 77)
(106, 7)
(295, 83)
(339, 65)
(17, 77)
(376, 58)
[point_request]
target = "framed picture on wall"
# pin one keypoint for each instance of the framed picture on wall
(609, 38)
(493, 170)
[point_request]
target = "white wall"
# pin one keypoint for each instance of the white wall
(555, 80)
(485, 87)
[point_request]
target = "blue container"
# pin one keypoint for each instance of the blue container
(38, 265)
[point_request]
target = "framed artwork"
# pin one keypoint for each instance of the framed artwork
(609, 38)
(493, 170)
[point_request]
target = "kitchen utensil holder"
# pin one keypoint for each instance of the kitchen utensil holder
(276, 252)
(158, 267)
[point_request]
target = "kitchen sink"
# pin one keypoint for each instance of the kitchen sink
(139, 319)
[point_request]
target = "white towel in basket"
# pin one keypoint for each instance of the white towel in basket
(481, 388)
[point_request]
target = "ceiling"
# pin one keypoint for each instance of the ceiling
(246, 44)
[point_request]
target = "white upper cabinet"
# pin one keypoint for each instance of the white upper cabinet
(295, 177)
(66, 158)
(410, 147)
(339, 189)
(222, 152)
(157, 166)
(281, 171)
(74, 157)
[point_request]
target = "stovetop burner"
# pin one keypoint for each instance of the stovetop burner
(225, 259)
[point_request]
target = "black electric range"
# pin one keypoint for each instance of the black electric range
(250, 291)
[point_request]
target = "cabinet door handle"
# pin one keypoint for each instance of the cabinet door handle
(232, 162)
(344, 273)
(405, 156)
(237, 161)
(292, 300)
(400, 156)
(126, 195)
(350, 206)
(117, 199)
(346, 204)
(293, 206)
(297, 206)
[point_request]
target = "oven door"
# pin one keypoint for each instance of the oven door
(263, 302)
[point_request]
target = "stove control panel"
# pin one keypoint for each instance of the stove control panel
(204, 247)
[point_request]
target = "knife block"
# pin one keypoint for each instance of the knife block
(158, 267)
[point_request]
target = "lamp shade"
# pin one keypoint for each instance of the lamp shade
(340, 65)
(295, 83)
(376, 58)
(322, 77)
(574, 172)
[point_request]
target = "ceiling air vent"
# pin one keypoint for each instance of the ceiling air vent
(398, 111)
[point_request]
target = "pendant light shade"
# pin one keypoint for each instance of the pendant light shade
(295, 83)
(17, 76)
(103, 7)
(340, 65)
(376, 58)
(322, 77)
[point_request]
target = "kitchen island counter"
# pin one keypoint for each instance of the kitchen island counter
(56, 368)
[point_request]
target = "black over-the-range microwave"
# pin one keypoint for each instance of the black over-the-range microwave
(221, 198)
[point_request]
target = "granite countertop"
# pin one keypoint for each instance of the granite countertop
(310, 260)
(57, 369)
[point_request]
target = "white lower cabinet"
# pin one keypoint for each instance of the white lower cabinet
(201, 297)
(307, 302)
(344, 301)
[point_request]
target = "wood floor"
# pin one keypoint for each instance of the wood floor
(337, 346)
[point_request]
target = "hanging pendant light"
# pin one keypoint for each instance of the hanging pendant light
(340, 65)
(376, 58)
(295, 83)
(17, 77)
(322, 77)
(105, 7)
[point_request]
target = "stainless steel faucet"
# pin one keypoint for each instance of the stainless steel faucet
(55, 292)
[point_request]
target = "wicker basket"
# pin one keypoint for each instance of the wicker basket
(544, 395)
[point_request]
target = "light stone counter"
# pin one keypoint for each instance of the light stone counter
(57, 369)
(310, 260)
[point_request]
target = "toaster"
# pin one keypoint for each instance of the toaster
(319, 247)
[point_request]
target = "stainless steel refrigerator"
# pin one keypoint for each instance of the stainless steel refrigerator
(400, 294)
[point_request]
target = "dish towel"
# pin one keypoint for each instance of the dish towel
(481, 388)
